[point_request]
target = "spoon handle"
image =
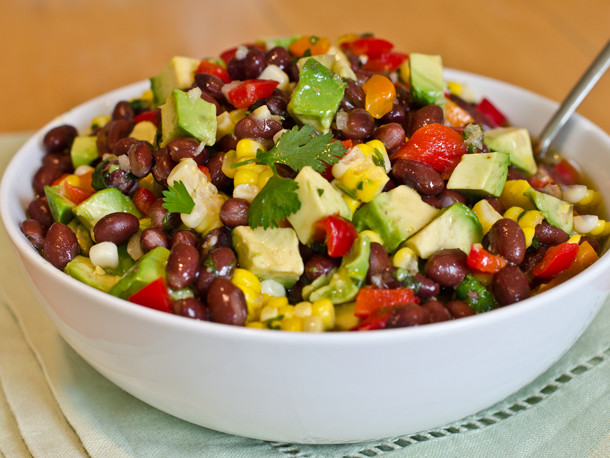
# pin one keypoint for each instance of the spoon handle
(576, 95)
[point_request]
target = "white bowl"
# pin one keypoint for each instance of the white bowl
(320, 388)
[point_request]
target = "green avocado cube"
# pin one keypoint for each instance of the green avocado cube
(317, 96)
(186, 114)
(177, 74)
(83, 150)
(480, 173)
(426, 77)
(557, 212)
(102, 203)
(516, 142)
(147, 269)
(394, 215)
(61, 207)
(82, 269)
(270, 254)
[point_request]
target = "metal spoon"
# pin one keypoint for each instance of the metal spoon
(571, 102)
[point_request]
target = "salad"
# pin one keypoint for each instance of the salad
(296, 184)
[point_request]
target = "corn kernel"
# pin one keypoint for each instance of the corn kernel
(246, 191)
(245, 175)
(313, 324)
(243, 277)
(574, 239)
(287, 311)
(454, 87)
(100, 121)
(256, 325)
(291, 324)
(264, 177)
(228, 160)
(602, 229)
(271, 288)
(486, 214)
(246, 148)
(513, 213)
(529, 233)
(277, 302)
(302, 309)
(325, 309)
(373, 236)
(512, 195)
(591, 198)
(268, 313)
(407, 259)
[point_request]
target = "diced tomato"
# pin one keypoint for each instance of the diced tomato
(376, 320)
(151, 115)
(566, 173)
(205, 171)
(76, 194)
(212, 68)
(385, 62)
(556, 259)
(437, 145)
(491, 112)
(369, 300)
(247, 92)
(154, 295)
(338, 233)
(371, 46)
(481, 260)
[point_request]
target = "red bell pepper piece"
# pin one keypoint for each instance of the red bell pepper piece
(376, 320)
(77, 194)
(370, 46)
(154, 295)
(437, 145)
(205, 171)
(143, 199)
(483, 261)
(491, 112)
(369, 300)
(385, 62)
(247, 92)
(151, 115)
(205, 66)
(338, 233)
(566, 173)
(556, 259)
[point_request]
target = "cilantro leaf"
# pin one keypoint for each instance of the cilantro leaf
(298, 148)
(177, 199)
(274, 202)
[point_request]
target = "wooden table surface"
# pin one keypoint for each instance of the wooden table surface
(58, 53)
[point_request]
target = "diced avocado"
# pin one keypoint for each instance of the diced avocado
(83, 236)
(126, 262)
(427, 82)
(345, 317)
(270, 254)
(557, 212)
(83, 270)
(474, 293)
(186, 114)
(480, 173)
(177, 74)
(515, 141)
(61, 207)
(394, 215)
(318, 200)
(325, 59)
(317, 96)
(102, 203)
(84, 150)
(144, 130)
(147, 269)
(456, 226)
(343, 284)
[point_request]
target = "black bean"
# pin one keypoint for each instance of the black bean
(378, 260)
(61, 160)
(447, 267)
(153, 237)
(59, 139)
(116, 227)
(123, 110)
(252, 127)
(221, 261)
(277, 105)
(45, 176)
(278, 56)
(507, 239)
(408, 315)
(204, 279)
(60, 245)
(111, 133)
(437, 312)
(190, 308)
(423, 178)
(510, 285)
(235, 68)
(254, 63)
(359, 124)
(396, 114)
(318, 265)
(210, 84)
(182, 265)
(448, 197)
(185, 236)
(459, 309)
(186, 147)
(392, 136)
(163, 166)
(122, 146)
(161, 218)
(226, 303)
(427, 287)
(234, 212)
(531, 258)
(121, 180)
(430, 114)
(549, 235)
(39, 210)
(35, 232)
(218, 177)
(141, 158)
(210, 99)
(353, 97)
(219, 237)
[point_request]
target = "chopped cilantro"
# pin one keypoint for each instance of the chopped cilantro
(274, 202)
(177, 199)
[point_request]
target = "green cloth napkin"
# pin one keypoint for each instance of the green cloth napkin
(52, 403)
